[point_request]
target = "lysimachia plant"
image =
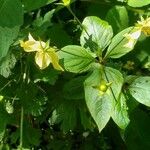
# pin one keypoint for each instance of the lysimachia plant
(74, 74)
(104, 87)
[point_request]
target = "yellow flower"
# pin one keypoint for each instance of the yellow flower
(32, 45)
(132, 38)
(141, 26)
(103, 87)
(66, 2)
(144, 26)
(44, 53)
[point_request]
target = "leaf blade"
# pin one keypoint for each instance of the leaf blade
(120, 114)
(135, 3)
(101, 106)
(99, 34)
(139, 89)
(117, 47)
(76, 58)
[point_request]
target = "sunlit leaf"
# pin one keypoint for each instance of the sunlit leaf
(76, 58)
(139, 89)
(96, 34)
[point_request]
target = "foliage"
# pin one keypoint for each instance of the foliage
(74, 74)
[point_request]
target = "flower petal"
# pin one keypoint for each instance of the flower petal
(42, 59)
(146, 30)
(130, 44)
(132, 38)
(55, 60)
(66, 2)
(144, 25)
(31, 38)
(29, 46)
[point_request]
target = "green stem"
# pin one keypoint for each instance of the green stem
(110, 86)
(21, 127)
(7, 84)
(77, 20)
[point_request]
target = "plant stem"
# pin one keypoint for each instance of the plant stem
(21, 127)
(77, 20)
(5, 85)
(110, 86)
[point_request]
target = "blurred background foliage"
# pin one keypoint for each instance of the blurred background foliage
(55, 113)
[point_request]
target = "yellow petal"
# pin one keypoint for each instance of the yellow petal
(132, 38)
(146, 30)
(55, 60)
(31, 38)
(135, 35)
(130, 44)
(42, 59)
(29, 46)
(40, 44)
(144, 25)
(66, 2)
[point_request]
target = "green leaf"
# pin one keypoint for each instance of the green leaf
(74, 88)
(4, 118)
(11, 13)
(30, 5)
(120, 114)
(140, 90)
(6, 64)
(2, 129)
(118, 18)
(137, 134)
(4, 146)
(116, 49)
(48, 75)
(99, 34)
(31, 135)
(76, 58)
(36, 106)
(86, 119)
(6, 39)
(116, 78)
(100, 106)
(44, 22)
(66, 114)
(138, 3)
(32, 102)
(11, 16)
(58, 144)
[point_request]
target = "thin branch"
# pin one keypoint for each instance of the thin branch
(77, 20)
(7, 84)
(21, 128)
